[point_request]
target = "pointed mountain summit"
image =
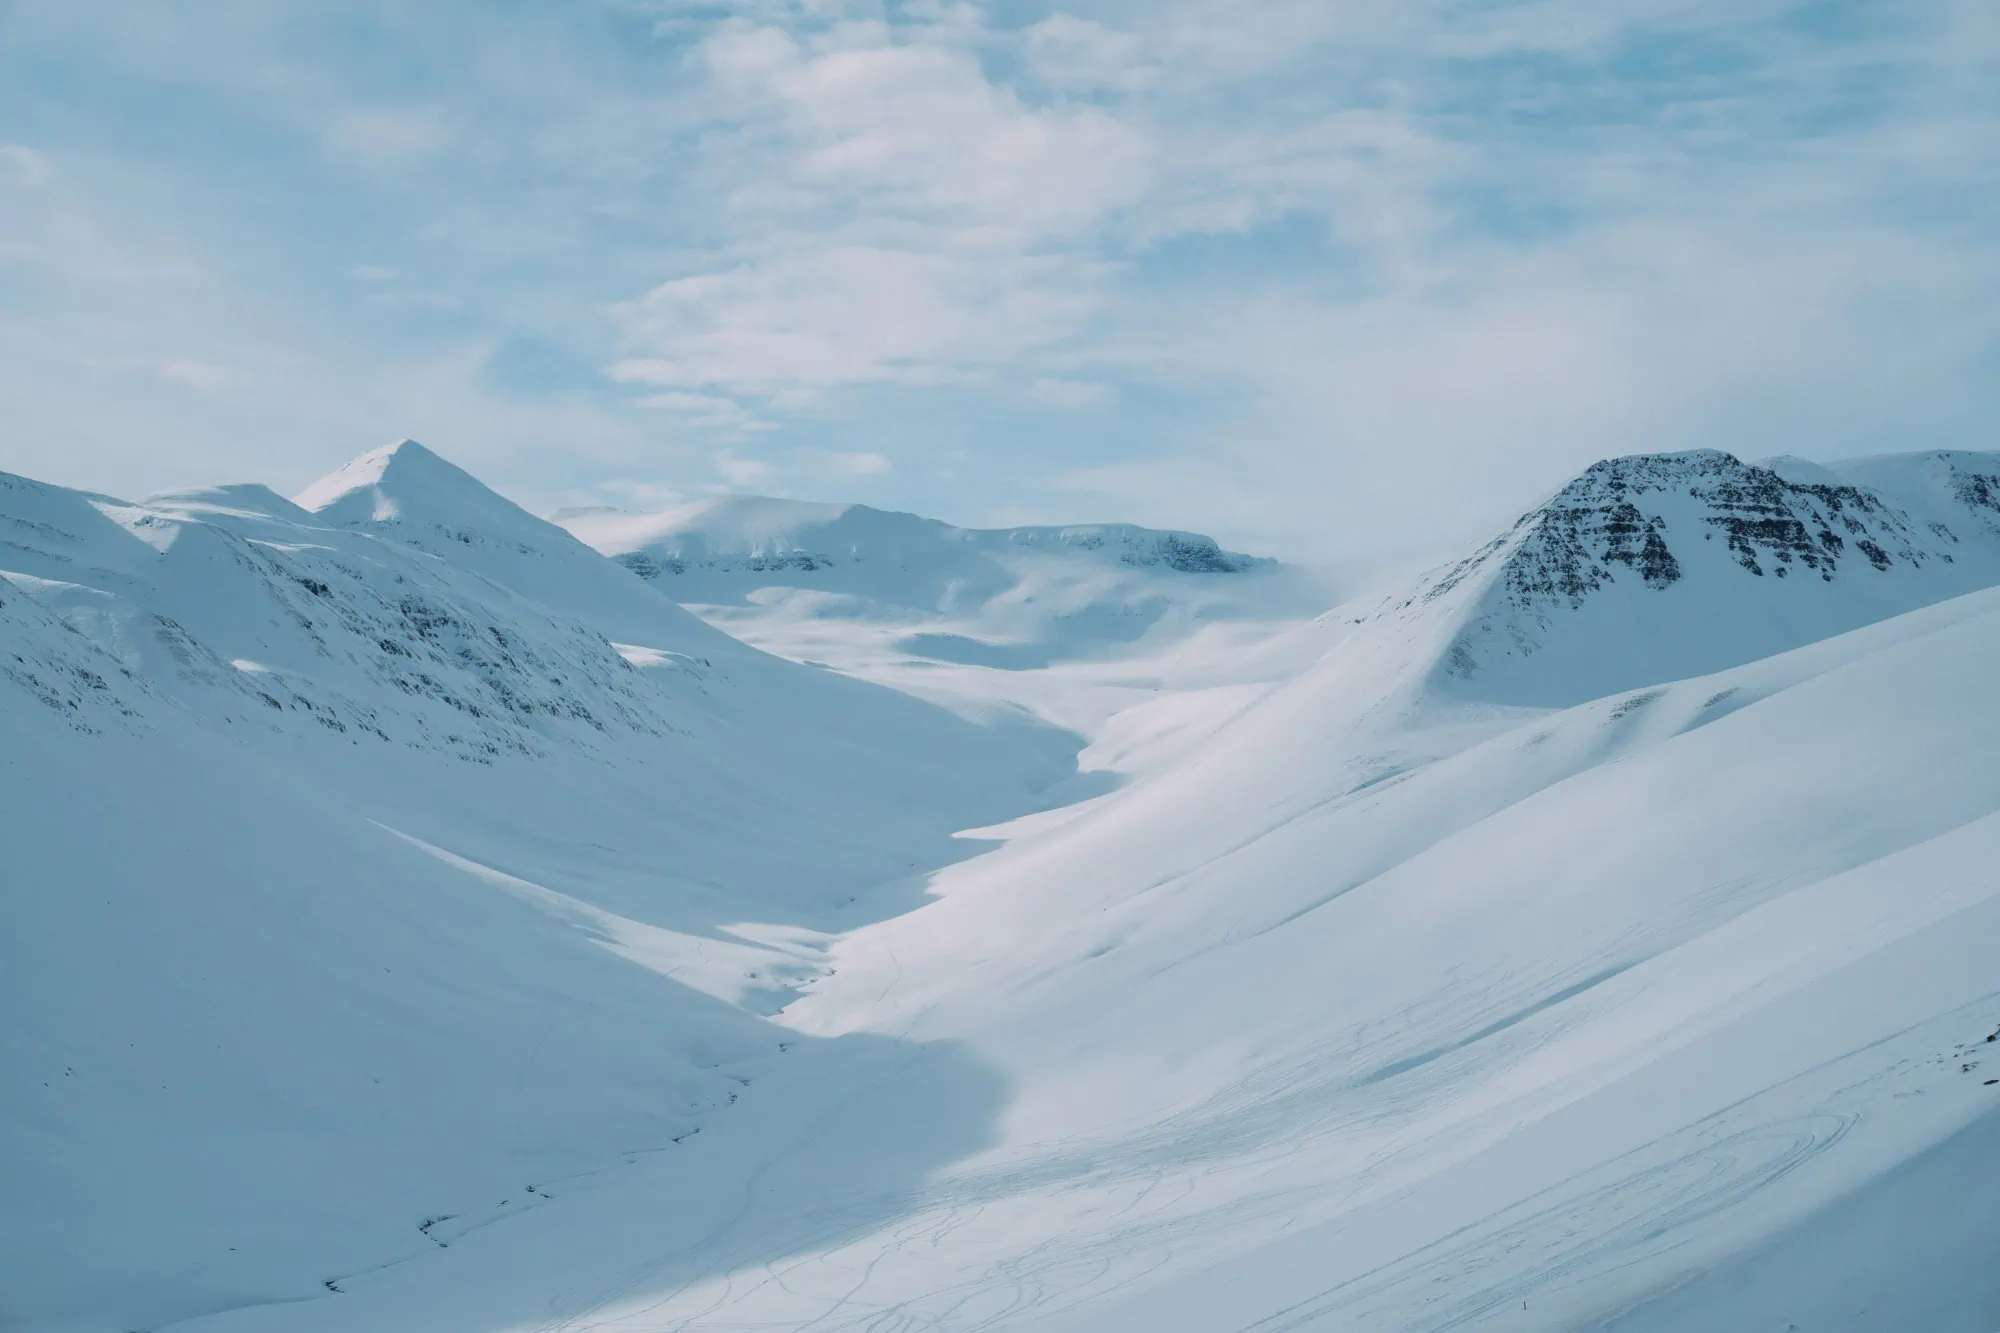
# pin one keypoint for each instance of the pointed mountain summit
(406, 483)
(409, 494)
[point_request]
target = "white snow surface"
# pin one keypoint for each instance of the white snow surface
(1017, 598)
(419, 922)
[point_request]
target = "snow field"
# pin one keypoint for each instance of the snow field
(1551, 945)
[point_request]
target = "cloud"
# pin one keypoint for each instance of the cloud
(201, 375)
(1083, 55)
(859, 464)
(921, 134)
(707, 410)
(825, 316)
(625, 492)
(742, 472)
(1330, 276)
(387, 136)
(408, 300)
(807, 472)
(903, 218)
(1073, 394)
(26, 166)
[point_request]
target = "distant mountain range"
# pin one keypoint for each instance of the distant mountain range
(1007, 597)
(730, 542)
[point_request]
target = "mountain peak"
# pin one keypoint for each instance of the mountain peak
(382, 483)
(1768, 519)
(405, 493)
(1655, 567)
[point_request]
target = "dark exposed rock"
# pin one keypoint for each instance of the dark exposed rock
(1977, 491)
(650, 566)
(1648, 520)
(1142, 548)
(1190, 554)
(1612, 519)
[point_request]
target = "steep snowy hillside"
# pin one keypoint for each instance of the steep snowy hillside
(1011, 598)
(351, 883)
(1653, 568)
(257, 1042)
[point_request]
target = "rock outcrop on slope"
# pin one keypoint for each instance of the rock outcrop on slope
(1658, 567)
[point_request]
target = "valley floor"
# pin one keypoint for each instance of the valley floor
(1716, 1069)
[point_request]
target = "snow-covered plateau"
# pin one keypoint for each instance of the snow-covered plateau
(419, 921)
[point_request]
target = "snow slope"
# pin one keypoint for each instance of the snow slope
(1569, 946)
(256, 1042)
(1385, 1062)
(350, 886)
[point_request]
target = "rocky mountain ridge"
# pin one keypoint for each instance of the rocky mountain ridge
(1656, 567)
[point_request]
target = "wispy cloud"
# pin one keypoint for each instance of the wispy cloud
(200, 375)
(1322, 275)
(25, 166)
(1069, 393)
(828, 315)
(385, 136)
(862, 464)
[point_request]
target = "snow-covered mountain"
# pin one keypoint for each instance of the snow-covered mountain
(1011, 597)
(332, 840)
(1658, 567)
(417, 922)
(717, 547)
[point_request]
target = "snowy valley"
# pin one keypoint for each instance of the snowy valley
(421, 920)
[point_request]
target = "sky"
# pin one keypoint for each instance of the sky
(1340, 280)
